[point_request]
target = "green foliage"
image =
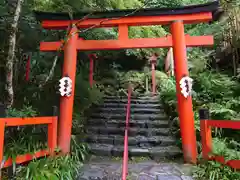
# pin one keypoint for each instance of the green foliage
(49, 168)
(213, 86)
(137, 79)
(57, 167)
(26, 111)
(23, 142)
(214, 171)
(224, 147)
(85, 96)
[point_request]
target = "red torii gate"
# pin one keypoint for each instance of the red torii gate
(123, 19)
(91, 57)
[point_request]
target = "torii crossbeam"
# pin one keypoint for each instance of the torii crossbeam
(124, 42)
(122, 19)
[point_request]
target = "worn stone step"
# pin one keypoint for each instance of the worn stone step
(138, 141)
(132, 123)
(133, 110)
(148, 132)
(139, 97)
(134, 116)
(133, 101)
(123, 105)
(111, 150)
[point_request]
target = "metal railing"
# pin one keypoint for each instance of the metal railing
(125, 153)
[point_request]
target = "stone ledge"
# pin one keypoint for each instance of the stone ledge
(110, 150)
(135, 116)
(132, 131)
(138, 141)
(132, 123)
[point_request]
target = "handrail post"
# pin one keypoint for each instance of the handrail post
(2, 130)
(125, 153)
(206, 133)
(52, 132)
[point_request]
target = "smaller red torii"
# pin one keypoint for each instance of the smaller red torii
(27, 59)
(91, 67)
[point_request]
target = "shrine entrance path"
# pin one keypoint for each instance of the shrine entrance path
(104, 168)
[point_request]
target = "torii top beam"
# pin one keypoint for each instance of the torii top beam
(151, 16)
(125, 18)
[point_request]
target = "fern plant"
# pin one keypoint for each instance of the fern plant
(56, 167)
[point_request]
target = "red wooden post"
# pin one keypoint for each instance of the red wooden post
(91, 72)
(91, 67)
(2, 132)
(28, 64)
(52, 132)
(153, 61)
(206, 133)
(66, 103)
(185, 110)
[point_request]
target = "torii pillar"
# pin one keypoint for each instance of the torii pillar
(66, 103)
(185, 109)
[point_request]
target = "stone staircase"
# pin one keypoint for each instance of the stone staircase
(149, 133)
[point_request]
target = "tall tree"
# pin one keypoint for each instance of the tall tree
(15, 8)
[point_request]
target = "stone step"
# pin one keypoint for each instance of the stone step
(133, 116)
(139, 97)
(138, 141)
(133, 101)
(153, 152)
(148, 132)
(132, 123)
(123, 105)
(133, 110)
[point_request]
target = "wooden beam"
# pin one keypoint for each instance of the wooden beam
(163, 42)
(130, 21)
(25, 158)
(27, 121)
(123, 32)
(224, 124)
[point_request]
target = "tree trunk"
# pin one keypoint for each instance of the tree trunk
(11, 54)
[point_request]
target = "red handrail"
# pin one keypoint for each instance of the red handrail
(125, 153)
(206, 137)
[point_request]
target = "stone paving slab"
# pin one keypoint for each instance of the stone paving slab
(102, 169)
